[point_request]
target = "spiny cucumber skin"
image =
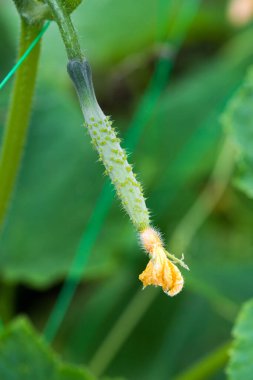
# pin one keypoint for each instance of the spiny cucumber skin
(115, 161)
(108, 146)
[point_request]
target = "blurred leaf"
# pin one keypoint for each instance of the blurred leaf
(241, 365)
(58, 184)
(107, 42)
(24, 355)
(102, 36)
(187, 119)
(220, 256)
(111, 31)
(238, 122)
(194, 321)
(104, 302)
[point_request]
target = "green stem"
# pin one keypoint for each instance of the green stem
(67, 29)
(208, 366)
(18, 116)
(32, 12)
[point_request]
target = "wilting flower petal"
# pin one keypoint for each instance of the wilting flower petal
(160, 271)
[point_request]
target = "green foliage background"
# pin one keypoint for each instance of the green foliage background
(60, 181)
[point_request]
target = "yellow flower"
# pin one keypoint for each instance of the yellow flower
(160, 271)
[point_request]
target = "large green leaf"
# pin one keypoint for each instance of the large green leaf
(241, 363)
(238, 122)
(24, 355)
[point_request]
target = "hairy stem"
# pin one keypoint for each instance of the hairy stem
(67, 29)
(18, 116)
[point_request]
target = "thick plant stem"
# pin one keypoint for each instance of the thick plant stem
(18, 116)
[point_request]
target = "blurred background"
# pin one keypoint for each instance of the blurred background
(164, 70)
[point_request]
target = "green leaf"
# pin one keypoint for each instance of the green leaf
(53, 195)
(238, 123)
(24, 355)
(185, 151)
(241, 364)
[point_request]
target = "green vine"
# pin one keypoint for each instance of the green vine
(68, 33)
(18, 116)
